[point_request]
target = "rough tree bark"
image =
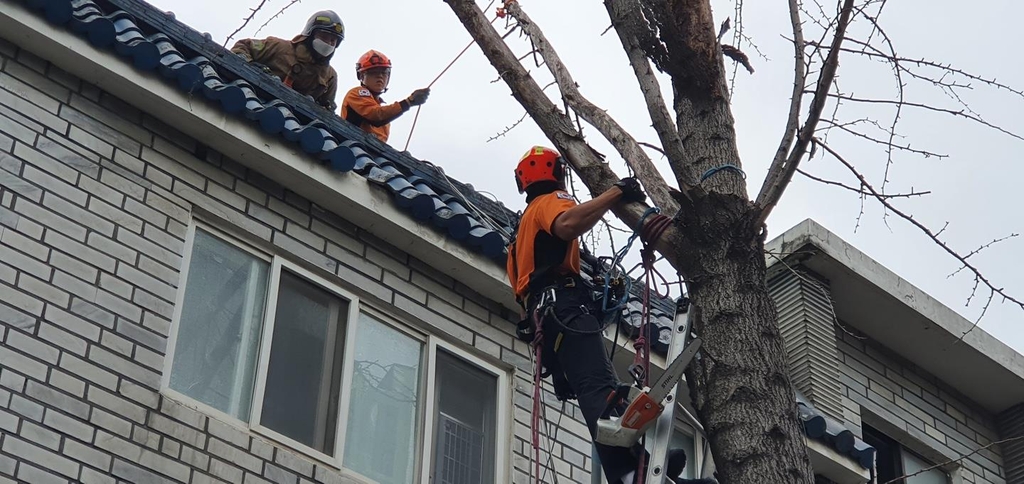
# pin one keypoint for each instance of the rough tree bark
(741, 385)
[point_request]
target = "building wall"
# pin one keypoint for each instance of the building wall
(915, 408)
(95, 200)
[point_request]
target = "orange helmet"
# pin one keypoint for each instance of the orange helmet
(539, 164)
(372, 59)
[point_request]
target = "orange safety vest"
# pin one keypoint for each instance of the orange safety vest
(537, 255)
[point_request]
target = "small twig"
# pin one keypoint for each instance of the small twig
(653, 147)
(979, 249)
(518, 122)
(979, 278)
(278, 14)
(927, 107)
(246, 22)
(860, 191)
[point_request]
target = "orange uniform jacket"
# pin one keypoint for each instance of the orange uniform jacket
(293, 63)
(366, 110)
(536, 249)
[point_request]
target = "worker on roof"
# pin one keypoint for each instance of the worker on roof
(363, 105)
(545, 258)
(302, 63)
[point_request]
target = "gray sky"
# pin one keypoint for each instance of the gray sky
(975, 189)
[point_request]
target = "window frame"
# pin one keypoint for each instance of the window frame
(901, 449)
(266, 347)
(279, 261)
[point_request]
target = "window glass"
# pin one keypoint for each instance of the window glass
(304, 374)
(219, 327)
(465, 423)
(680, 440)
(912, 464)
(382, 432)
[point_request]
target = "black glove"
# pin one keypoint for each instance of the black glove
(631, 190)
(418, 97)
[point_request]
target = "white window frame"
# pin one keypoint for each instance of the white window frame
(270, 315)
(432, 343)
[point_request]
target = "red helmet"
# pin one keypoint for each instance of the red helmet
(372, 59)
(539, 164)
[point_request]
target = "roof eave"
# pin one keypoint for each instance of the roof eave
(343, 193)
(890, 310)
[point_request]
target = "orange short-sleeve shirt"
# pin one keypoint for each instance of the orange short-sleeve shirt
(536, 248)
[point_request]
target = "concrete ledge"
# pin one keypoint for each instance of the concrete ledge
(890, 310)
(835, 466)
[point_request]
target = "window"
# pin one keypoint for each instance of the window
(892, 460)
(465, 405)
(295, 357)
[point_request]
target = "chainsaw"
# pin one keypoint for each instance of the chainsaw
(645, 405)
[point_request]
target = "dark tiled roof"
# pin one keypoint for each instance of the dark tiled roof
(154, 41)
(819, 427)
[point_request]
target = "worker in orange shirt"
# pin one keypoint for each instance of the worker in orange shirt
(544, 262)
(302, 63)
(363, 105)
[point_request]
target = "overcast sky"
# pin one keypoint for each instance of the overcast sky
(976, 189)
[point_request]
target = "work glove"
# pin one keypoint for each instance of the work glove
(418, 97)
(262, 67)
(631, 190)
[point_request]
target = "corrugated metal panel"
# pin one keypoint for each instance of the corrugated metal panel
(806, 323)
(1011, 424)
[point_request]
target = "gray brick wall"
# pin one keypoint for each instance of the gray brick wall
(920, 407)
(95, 198)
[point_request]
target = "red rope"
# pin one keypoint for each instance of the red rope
(499, 14)
(538, 344)
(648, 235)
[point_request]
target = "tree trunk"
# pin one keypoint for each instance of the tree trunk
(741, 385)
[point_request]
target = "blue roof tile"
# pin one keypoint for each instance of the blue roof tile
(197, 74)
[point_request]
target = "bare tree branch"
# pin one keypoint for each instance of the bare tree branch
(799, 80)
(653, 147)
(928, 107)
(623, 142)
(278, 14)
(889, 144)
(861, 191)
(557, 125)
(953, 461)
(626, 16)
(979, 278)
(780, 174)
(246, 22)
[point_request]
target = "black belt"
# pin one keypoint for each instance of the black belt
(561, 282)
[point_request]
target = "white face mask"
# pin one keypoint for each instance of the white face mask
(322, 48)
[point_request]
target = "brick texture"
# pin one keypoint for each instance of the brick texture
(929, 417)
(95, 199)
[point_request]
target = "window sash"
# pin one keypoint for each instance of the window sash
(268, 333)
(503, 422)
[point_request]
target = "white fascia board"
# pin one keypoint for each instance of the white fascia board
(833, 465)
